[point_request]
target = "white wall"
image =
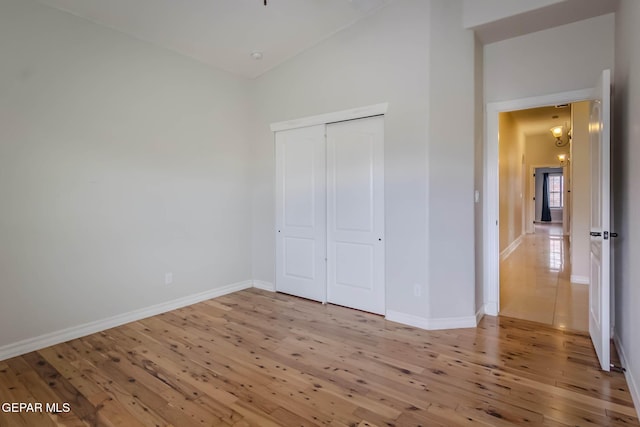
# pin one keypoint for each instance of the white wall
(451, 160)
(580, 190)
(626, 191)
(383, 58)
(560, 59)
(389, 57)
(119, 162)
(478, 169)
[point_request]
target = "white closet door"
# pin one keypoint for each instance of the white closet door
(355, 214)
(301, 212)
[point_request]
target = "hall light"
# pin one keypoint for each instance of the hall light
(562, 138)
(563, 158)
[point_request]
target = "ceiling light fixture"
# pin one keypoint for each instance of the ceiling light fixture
(257, 55)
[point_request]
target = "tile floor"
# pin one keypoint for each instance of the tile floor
(535, 282)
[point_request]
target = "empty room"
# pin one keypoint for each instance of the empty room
(291, 212)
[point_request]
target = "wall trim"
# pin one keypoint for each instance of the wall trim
(491, 308)
(581, 280)
(36, 343)
(634, 388)
(337, 116)
(511, 248)
(265, 286)
(479, 314)
(431, 324)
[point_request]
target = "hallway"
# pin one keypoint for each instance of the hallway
(535, 282)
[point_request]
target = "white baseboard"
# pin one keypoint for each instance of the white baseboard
(491, 309)
(431, 324)
(57, 337)
(509, 249)
(479, 315)
(581, 280)
(265, 286)
(634, 388)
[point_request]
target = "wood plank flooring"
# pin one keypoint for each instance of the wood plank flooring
(256, 358)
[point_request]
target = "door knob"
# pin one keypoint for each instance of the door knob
(595, 234)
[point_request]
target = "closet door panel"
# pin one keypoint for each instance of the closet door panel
(355, 214)
(301, 212)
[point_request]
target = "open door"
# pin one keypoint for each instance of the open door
(600, 247)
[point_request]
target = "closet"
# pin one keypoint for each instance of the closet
(330, 213)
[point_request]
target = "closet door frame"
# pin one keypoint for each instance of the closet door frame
(338, 116)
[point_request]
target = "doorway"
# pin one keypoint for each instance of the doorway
(599, 131)
(535, 215)
(491, 213)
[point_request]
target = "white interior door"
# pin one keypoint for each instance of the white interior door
(599, 293)
(355, 214)
(301, 212)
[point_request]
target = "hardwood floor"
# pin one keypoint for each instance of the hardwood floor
(255, 358)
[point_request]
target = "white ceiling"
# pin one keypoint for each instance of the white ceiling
(223, 33)
(540, 120)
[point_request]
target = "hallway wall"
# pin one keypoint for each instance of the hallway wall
(580, 193)
(511, 152)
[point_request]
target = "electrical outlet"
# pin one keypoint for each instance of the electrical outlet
(417, 290)
(168, 278)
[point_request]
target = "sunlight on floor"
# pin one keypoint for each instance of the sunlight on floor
(535, 282)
